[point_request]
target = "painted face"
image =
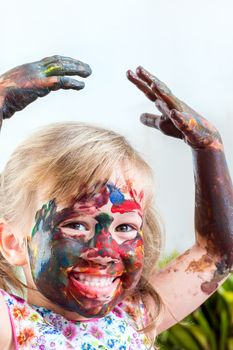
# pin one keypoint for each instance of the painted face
(89, 256)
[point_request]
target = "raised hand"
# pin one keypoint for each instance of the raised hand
(213, 186)
(24, 84)
(177, 119)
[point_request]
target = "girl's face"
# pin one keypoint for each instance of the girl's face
(89, 256)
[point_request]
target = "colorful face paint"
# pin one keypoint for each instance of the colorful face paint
(88, 271)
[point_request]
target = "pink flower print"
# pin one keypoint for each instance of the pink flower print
(70, 332)
(96, 332)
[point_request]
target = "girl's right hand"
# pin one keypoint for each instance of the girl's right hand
(22, 85)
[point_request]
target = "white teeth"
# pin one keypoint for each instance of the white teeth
(93, 281)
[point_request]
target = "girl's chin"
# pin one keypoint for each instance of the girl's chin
(89, 310)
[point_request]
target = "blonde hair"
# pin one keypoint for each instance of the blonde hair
(77, 158)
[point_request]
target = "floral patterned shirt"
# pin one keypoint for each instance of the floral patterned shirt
(38, 328)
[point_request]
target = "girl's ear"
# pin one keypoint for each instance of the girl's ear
(12, 249)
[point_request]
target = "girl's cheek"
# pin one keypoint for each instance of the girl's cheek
(132, 252)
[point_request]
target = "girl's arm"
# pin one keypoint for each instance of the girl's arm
(18, 88)
(24, 84)
(191, 278)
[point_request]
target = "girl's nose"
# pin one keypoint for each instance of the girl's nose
(103, 250)
(103, 240)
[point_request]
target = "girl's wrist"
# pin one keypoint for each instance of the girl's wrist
(213, 203)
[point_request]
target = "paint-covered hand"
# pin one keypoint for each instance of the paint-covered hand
(177, 119)
(22, 85)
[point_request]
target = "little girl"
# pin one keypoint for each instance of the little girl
(77, 215)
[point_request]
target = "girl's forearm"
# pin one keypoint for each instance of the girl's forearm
(214, 205)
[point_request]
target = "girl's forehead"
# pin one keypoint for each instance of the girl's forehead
(121, 183)
(126, 180)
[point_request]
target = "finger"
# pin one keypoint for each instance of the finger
(60, 65)
(161, 123)
(159, 88)
(149, 78)
(141, 85)
(150, 120)
(56, 83)
(166, 96)
(146, 76)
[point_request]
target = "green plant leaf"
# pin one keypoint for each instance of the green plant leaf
(211, 337)
(185, 338)
(198, 333)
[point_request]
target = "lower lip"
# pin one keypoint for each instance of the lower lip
(100, 293)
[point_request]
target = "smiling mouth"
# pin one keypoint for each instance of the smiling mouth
(94, 281)
(95, 286)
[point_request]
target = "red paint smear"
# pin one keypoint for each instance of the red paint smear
(126, 206)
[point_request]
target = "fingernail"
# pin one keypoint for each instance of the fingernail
(139, 69)
(81, 84)
(128, 73)
(87, 71)
(143, 118)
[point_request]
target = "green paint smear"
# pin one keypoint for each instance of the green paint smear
(42, 215)
(51, 69)
(104, 221)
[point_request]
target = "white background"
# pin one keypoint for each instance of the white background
(187, 44)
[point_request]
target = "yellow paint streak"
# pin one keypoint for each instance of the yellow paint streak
(51, 69)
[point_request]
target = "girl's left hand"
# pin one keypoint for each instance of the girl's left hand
(177, 119)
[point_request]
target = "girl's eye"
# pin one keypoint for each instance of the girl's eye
(125, 228)
(77, 226)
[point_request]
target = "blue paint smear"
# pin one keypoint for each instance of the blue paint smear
(116, 197)
(44, 267)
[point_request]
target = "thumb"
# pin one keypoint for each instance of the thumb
(151, 120)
